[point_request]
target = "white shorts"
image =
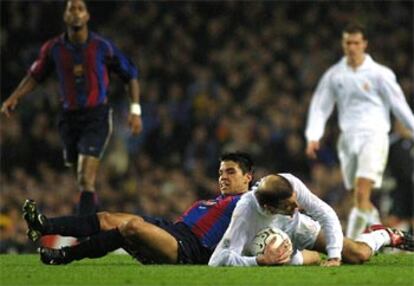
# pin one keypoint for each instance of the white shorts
(363, 155)
(303, 231)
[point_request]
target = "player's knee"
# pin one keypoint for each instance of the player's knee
(363, 190)
(105, 220)
(364, 253)
(362, 199)
(357, 255)
(361, 257)
(86, 178)
(133, 227)
(85, 181)
(82, 180)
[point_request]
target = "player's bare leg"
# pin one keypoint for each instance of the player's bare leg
(107, 231)
(355, 252)
(352, 252)
(367, 244)
(363, 190)
(142, 234)
(109, 220)
(134, 235)
(311, 257)
(87, 169)
(101, 230)
(364, 212)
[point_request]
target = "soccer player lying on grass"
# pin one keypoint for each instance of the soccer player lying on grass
(190, 240)
(274, 202)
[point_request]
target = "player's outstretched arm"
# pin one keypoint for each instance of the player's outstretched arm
(25, 86)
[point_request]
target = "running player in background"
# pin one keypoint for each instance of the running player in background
(83, 61)
(275, 202)
(190, 240)
(364, 92)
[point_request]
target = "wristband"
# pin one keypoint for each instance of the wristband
(135, 109)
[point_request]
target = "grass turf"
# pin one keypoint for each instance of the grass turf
(389, 270)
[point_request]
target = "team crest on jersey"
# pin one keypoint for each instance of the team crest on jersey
(78, 70)
(209, 203)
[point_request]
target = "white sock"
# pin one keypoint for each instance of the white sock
(357, 222)
(375, 240)
(374, 217)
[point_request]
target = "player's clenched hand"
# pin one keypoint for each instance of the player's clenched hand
(9, 105)
(312, 148)
(135, 123)
(331, 262)
(275, 255)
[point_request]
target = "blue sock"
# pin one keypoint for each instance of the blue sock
(97, 245)
(88, 203)
(78, 226)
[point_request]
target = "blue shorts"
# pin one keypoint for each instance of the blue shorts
(190, 249)
(85, 132)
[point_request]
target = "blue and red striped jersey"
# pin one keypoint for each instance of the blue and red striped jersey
(83, 70)
(208, 220)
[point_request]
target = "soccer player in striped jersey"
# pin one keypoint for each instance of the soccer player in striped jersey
(189, 240)
(365, 93)
(83, 61)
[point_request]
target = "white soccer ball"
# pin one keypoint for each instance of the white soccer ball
(263, 237)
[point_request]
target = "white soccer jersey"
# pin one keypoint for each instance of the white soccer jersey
(364, 99)
(248, 218)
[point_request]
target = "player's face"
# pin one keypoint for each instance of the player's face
(76, 15)
(231, 178)
(354, 45)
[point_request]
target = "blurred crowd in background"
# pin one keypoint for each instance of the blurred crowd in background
(215, 77)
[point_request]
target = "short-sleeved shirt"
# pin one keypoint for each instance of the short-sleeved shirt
(83, 70)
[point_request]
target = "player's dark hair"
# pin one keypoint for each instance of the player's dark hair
(280, 189)
(354, 28)
(66, 2)
(244, 160)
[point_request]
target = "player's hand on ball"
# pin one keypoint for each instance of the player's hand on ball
(275, 255)
(331, 262)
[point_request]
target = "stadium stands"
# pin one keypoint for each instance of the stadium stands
(215, 76)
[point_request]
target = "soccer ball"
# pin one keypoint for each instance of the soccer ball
(263, 237)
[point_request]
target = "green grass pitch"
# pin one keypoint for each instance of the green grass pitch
(384, 269)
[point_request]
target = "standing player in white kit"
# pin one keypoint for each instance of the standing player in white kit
(364, 92)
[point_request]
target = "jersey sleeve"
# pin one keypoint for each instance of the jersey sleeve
(43, 66)
(322, 213)
(120, 64)
(391, 90)
(321, 107)
(229, 250)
